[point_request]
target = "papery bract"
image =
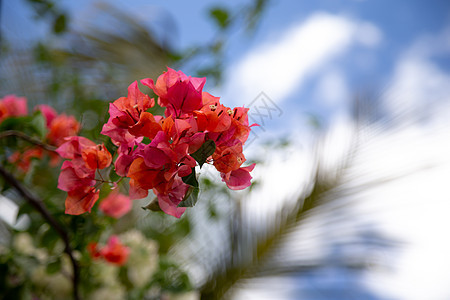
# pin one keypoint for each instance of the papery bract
(238, 179)
(93, 250)
(158, 152)
(12, 106)
(115, 252)
(61, 127)
(146, 126)
(177, 92)
(73, 146)
(23, 160)
(81, 200)
(228, 158)
(72, 177)
(169, 201)
(115, 205)
(96, 157)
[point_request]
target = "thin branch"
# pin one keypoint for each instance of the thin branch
(27, 138)
(40, 207)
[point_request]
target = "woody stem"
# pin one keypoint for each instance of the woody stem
(27, 138)
(60, 230)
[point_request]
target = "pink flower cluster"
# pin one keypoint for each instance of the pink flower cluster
(192, 118)
(77, 175)
(113, 252)
(58, 128)
(12, 106)
(158, 153)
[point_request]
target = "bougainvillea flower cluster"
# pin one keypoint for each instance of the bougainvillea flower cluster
(192, 119)
(78, 173)
(115, 204)
(12, 106)
(113, 252)
(58, 127)
(158, 153)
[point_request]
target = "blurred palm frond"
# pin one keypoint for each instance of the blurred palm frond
(321, 227)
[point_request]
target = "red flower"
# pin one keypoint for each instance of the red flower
(115, 252)
(93, 250)
(12, 106)
(96, 157)
(23, 160)
(238, 179)
(168, 201)
(115, 205)
(77, 176)
(177, 92)
(61, 127)
(81, 200)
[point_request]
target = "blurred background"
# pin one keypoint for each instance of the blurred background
(349, 197)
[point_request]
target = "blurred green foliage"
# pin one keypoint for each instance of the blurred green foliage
(78, 73)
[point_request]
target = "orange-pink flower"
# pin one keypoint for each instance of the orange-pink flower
(115, 205)
(177, 92)
(12, 106)
(114, 252)
(77, 175)
(61, 127)
(238, 179)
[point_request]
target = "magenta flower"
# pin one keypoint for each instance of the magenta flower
(12, 106)
(115, 205)
(238, 179)
(177, 92)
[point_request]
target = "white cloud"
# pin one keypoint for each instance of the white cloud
(419, 86)
(332, 89)
(281, 66)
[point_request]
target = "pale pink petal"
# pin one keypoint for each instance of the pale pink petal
(169, 207)
(115, 205)
(238, 179)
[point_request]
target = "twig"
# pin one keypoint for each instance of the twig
(39, 206)
(27, 138)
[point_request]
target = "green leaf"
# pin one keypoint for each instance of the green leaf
(15, 123)
(205, 151)
(220, 16)
(49, 239)
(153, 205)
(191, 179)
(191, 197)
(39, 124)
(60, 24)
(170, 277)
(30, 125)
(54, 267)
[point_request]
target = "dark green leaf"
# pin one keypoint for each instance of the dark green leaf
(25, 208)
(220, 16)
(153, 205)
(15, 123)
(191, 179)
(60, 24)
(191, 197)
(54, 267)
(39, 124)
(171, 278)
(49, 239)
(205, 151)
